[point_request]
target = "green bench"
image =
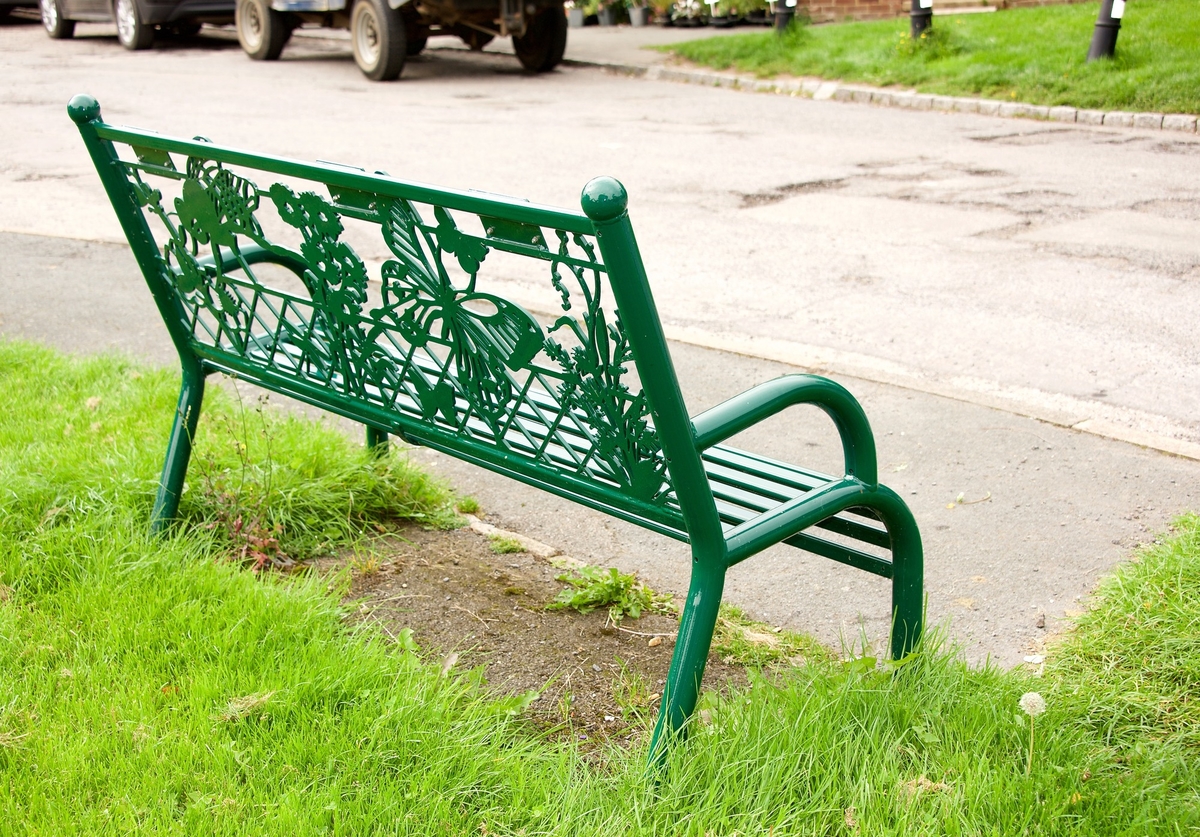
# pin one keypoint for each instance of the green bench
(248, 260)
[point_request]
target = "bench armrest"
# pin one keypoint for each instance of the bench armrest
(780, 523)
(255, 254)
(752, 406)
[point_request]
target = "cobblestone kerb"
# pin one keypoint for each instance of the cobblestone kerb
(864, 94)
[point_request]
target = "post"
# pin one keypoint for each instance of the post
(1108, 24)
(377, 440)
(920, 17)
(785, 13)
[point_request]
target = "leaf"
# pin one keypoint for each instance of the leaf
(470, 250)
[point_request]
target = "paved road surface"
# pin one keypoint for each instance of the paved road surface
(940, 265)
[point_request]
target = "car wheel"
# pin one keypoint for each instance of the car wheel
(57, 26)
(377, 35)
(542, 46)
(261, 30)
(131, 31)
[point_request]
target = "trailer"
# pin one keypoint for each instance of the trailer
(383, 33)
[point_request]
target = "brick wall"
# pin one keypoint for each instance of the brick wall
(823, 11)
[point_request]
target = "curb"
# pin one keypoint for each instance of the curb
(811, 88)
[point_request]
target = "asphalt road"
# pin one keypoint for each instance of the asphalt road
(940, 265)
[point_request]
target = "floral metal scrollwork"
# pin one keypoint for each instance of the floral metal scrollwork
(463, 359)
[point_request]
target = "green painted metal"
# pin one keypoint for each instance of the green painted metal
(377, 440)
(263, 283)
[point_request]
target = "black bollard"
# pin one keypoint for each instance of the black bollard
(921, 17)
(1108, 24)
(785, 12)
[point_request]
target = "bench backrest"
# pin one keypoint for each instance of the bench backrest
(255, 264)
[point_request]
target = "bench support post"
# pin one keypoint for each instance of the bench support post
(908, 571)
(697, 624)
(179, 448)
(377, 440)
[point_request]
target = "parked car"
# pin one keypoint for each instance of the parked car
(137, 20)
(385, 32)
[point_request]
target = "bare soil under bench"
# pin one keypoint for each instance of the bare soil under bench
(468, 606)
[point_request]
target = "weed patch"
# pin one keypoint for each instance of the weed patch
(590, 588)
(505, 545)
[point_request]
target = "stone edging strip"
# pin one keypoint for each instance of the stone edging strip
(865, 94)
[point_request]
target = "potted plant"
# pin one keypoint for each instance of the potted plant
(575, 13)
(688, 13)
(639, 13)
(757, 12)
(662, 11)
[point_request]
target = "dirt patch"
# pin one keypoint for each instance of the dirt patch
(468, 606)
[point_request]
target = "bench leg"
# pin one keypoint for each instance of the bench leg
(696, 626)
(908, 562)
(377, 440)
(179, 449)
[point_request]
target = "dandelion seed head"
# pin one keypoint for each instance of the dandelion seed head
(1032, 703)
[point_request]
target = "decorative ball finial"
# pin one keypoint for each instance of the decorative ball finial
(83, 108)
(604, 198)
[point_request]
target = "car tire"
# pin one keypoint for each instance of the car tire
(377, 36)
(261, 30)
(132, 32)
(57, 26)
(542, 46)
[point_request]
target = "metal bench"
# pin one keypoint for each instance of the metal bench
(248, 259)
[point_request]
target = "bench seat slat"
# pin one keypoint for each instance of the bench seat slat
(745, 484)
(762, 494)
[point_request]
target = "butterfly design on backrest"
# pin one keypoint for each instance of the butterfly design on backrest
(484, 337)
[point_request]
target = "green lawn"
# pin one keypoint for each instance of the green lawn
(154, 687)
(1029, 55)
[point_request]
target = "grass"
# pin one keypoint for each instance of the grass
(1032, 55)
(152, 686)
(504, 544)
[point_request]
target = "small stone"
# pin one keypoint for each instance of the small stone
(1152, 121)
(1179, 122)
(655, 642)
(595, 667)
